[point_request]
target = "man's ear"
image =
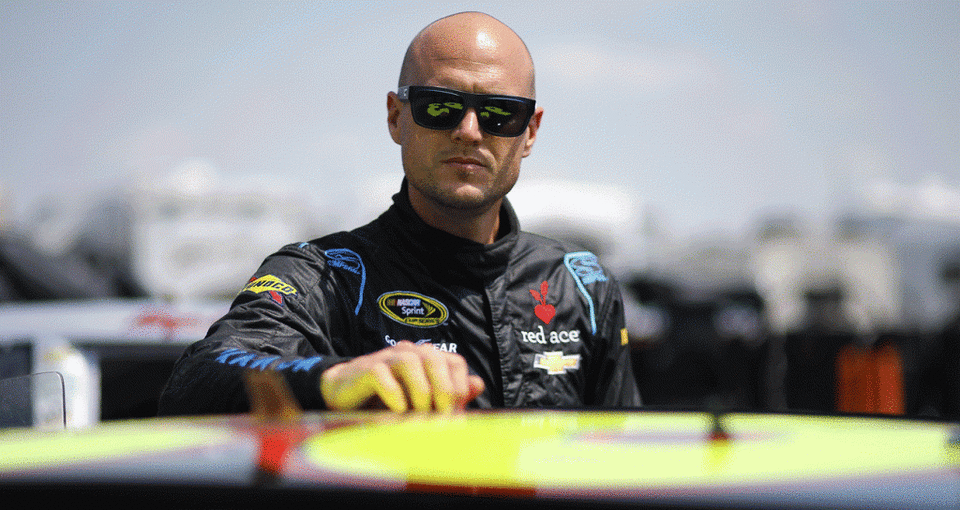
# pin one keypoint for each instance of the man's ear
(394, 107)
(532, 129)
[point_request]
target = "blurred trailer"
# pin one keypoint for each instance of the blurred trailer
(114, 356)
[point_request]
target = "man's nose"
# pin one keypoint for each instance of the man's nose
(468, 130)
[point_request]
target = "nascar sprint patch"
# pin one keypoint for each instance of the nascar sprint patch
(272, 286)
(413, 309)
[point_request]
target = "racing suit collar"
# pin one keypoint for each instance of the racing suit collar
(447, 250)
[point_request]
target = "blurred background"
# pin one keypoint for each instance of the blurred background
(776, 185)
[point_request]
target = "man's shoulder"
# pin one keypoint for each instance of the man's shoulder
(544, 246)
(342, 249)
(579, 260)
(331, 246)
(301, 265)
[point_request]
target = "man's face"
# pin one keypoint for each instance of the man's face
(463, 168)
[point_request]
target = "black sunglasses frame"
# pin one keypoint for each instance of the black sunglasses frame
(407, 93)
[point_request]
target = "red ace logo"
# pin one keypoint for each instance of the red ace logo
(543, 311)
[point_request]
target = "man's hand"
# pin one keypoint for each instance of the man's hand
(404, 377)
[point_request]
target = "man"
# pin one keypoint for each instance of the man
(441, 302)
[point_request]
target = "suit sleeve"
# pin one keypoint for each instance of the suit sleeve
(287, 319)
(615, 385)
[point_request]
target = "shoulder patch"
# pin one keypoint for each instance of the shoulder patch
(272, 286)
(345, 259)
(585, 269)
(350, 261)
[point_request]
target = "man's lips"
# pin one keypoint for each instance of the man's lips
(463, 161)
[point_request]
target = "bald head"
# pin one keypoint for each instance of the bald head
(470, 39)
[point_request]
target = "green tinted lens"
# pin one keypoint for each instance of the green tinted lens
(503, 117)
(436, 108)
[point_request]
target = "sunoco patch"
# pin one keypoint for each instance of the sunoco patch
(412, 309)
(273, 286)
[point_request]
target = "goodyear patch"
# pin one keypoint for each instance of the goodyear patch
(413, 309)
(272, 286)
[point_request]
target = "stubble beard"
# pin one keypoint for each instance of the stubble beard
(477, 198)
(462, 193)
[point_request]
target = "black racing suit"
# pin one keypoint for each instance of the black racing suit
(540, 322)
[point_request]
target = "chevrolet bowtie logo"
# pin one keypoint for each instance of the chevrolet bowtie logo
(555, 362)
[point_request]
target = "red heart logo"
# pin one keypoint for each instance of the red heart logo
(545, 312)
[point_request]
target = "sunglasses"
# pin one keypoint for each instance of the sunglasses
(441, 109)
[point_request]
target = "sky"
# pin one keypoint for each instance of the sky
(713, 114)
